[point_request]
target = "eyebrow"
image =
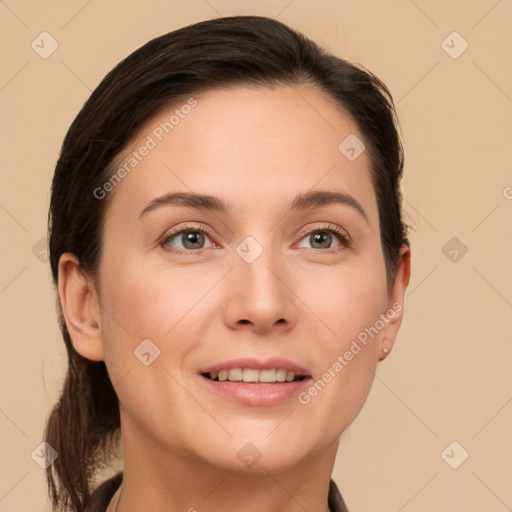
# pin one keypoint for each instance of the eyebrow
(307, 201)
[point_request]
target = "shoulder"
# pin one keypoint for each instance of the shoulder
(102, 496)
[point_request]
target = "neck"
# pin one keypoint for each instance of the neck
(189, 483)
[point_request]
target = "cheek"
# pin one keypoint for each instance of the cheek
(135, 307)
(146, 302)
(142, 302)
(348, 304)
(346, 300)
(139, 309)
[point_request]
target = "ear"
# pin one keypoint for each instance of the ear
(80, 308)
(394, 312)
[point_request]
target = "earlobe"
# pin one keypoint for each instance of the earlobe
(384, 352)
(80, 308)
(394, 312)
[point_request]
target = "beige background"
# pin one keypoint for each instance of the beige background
(448, 378)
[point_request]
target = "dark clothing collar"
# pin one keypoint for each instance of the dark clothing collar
(335, 501)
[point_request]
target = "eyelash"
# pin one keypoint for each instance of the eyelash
(345, 242)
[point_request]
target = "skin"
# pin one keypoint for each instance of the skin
(257, 149)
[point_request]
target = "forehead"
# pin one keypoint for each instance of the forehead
(253, 146)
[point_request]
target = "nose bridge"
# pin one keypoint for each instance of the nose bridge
(258, 268)
(259, 294)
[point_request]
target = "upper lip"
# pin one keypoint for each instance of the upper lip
(257, 364)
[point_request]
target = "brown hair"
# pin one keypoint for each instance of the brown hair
(231, 51)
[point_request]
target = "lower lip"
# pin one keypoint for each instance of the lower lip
(257, 394)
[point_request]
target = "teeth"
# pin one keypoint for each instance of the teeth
(281, 375)
(235, 374)
(267, 376)
(251, 375)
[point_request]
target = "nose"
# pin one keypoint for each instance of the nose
(260, 296)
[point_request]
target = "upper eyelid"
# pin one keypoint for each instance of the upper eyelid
(188, 227)
(325, 227)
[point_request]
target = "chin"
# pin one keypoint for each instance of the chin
(261, 455)
(268, 464)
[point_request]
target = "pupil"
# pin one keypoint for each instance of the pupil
(192, 237)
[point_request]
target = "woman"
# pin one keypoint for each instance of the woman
(231, 261)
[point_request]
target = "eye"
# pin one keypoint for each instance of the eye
(322, 238)
(190, 238)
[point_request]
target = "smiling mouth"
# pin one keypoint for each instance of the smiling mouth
(252, 376)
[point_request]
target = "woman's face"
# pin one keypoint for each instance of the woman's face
(281, 278)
